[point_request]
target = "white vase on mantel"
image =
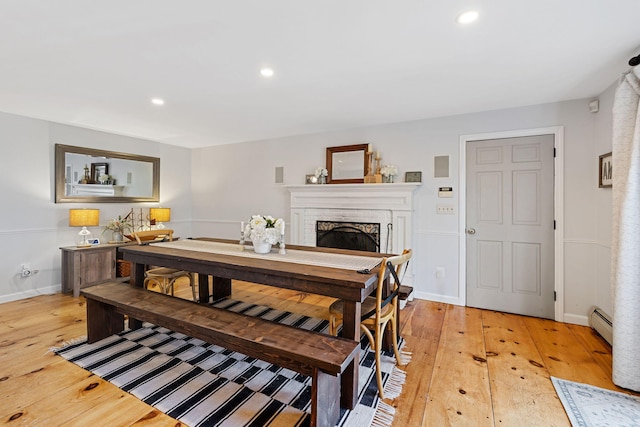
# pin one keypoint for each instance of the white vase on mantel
(261, 247)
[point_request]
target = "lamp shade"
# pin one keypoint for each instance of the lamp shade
(160, 214)
(84, 217)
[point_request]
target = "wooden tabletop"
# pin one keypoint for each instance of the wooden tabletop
(334, 282)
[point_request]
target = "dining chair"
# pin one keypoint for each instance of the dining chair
(165, 278)
(379, 311)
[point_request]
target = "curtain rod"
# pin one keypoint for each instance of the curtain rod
(634, 61)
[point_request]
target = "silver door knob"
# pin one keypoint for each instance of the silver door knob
(471, 231)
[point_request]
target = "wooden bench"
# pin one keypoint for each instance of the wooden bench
(404, 292)
(322, 357)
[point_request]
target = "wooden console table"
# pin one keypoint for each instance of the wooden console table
(83, 267)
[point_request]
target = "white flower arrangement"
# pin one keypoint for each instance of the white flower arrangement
(321, 172)
(263, 228)
(389, 170)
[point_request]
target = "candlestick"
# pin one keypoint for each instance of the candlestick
(242, 235)
(282, 250)
(369, 149)
(369, 178)
(377, 154)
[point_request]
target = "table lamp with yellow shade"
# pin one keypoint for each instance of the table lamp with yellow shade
(160, 215)
(84, 218)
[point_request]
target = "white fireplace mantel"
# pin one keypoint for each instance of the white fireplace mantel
(390, 204)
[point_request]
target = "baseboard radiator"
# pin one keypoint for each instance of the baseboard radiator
(601, 322)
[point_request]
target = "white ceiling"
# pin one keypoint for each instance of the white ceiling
(338, 63)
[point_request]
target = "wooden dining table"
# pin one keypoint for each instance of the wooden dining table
(237, 262)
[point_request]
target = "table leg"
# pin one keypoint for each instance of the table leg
(137, 280)
(350, 329)
(203, 288)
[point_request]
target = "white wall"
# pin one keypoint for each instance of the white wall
(234, 181)
(210, 190)
(33, 227)
(604, 126)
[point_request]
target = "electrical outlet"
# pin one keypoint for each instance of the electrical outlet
(444, 210)
(26, 270)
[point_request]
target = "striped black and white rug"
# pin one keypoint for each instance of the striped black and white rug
(202, 384)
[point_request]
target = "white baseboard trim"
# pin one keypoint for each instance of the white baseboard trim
(568, 318)
(576, 319)
(436, 298)
(31, 293)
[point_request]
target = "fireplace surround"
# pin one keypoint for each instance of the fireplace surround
(390, 205)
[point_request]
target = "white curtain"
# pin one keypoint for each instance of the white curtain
(625, 248)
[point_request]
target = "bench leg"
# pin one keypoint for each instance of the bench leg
(325, 399)
(102, 321)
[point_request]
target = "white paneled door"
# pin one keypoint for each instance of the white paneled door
(510, 241)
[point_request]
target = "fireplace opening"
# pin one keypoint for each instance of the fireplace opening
(362, 236)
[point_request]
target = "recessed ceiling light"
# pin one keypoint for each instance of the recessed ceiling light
(157, 101)
(467, 17)
(266, 72)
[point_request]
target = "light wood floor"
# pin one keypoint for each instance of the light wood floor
(470, 367)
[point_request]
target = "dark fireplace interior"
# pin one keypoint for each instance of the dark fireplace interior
(362, 236)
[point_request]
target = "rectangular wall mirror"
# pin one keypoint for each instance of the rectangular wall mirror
(347, 164)
(88, 175)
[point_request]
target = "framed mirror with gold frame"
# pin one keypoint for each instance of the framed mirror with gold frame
(347, 164)
(114, 178)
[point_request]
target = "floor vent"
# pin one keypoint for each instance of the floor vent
(601, 322)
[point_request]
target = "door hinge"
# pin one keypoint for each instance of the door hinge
(554, 224)
(554, 295)
(554, 152)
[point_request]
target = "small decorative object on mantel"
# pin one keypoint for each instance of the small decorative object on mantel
(86, 179)
(264, 231)
(106, 180)
(321, 175)
(388, 172)
(373, 175)
(413, 176)
(378, 175)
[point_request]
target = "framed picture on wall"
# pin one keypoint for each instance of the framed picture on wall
(605, 170)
